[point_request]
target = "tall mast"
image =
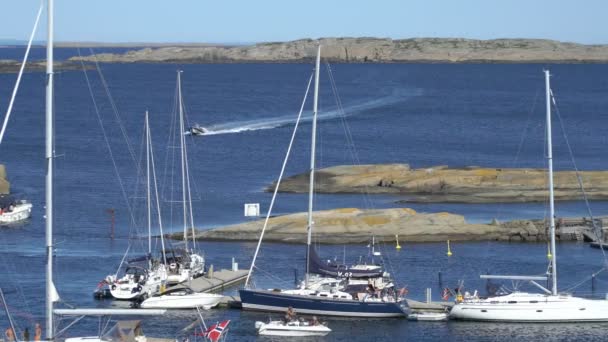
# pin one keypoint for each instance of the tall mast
(160, 221)
(148, 185)
(49, 174)
(551, 200)
(312, 163)
(181, 143)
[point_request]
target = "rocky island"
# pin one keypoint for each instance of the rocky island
(8, 66)
(377, 50)
(351, 225)
(5, 186)
(444, 184)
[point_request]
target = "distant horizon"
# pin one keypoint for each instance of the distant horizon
(22, 42)
(119, 21)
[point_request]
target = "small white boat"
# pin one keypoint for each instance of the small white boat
(15, 212)
(428, 316)
(125, 331)
(198, 130)
(292, 329)
(182, 298)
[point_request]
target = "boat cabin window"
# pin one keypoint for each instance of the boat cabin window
(512, 302)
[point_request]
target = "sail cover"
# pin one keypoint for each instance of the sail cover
(333, 269)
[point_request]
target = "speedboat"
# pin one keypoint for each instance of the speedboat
(15, 211)
(198, 130)
(292, 329)
(182, 298)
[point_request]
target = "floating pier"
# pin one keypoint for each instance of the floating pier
(217, 281)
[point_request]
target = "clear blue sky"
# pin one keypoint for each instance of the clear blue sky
(279, 20)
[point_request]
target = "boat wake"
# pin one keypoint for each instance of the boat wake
(276, 122)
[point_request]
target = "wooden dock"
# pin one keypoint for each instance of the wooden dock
(217, 281)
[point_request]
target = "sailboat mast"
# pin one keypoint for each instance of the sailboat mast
(49, 174)
(312, 163)
(181, 143)
(551, 199)
(148, 184)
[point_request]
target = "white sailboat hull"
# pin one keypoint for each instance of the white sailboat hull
(529, 307)
(191, 301)
(278, 328)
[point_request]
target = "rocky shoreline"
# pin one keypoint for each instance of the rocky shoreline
(375, 50)
(5, 186)
(351, 225)
(8, 66)
(441, 184)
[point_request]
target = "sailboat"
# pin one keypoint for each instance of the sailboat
(140, 282)
(51, 295)
(186, 263)
(549, 306)
(325, 288)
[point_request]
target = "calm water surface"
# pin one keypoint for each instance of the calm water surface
(425, 115)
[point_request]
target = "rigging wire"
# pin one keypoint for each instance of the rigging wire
(107, 142)
(27, 52)
(579, 179)
(276, 189)
(114, 108)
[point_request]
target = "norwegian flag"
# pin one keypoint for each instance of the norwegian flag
(446, 294)
(214, 332)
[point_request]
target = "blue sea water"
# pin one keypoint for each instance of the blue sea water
(421, 114)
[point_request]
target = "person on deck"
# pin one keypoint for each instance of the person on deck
(290, 315)
(26, 334)
(9, 334)
(37, 332)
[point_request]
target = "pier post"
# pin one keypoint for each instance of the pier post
(429, 298)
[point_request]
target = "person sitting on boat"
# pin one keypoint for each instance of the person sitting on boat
(9, 334)
(37, 332)
(290, 315)
(314, 321)
(371, 290)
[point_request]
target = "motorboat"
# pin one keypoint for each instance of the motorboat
(182, 298)
(428, 316)
(291, 329)
(197, 129)
(14, 211)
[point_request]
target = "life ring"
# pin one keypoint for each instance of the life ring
(113, 287)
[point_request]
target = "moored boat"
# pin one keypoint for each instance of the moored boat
(428, 316)
(291, 329)
(182, 298)
(549, 306)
